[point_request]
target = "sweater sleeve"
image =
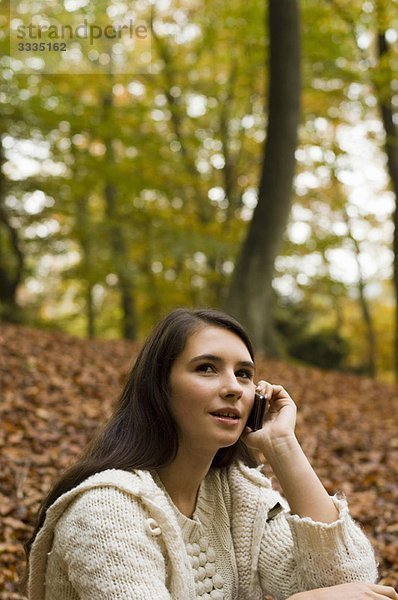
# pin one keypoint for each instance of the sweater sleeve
(109, 548)
(299, 554)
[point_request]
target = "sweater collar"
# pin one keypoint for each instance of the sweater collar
(204, 510)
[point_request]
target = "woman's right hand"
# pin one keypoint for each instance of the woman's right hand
(349, 591)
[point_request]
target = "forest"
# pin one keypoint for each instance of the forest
(236, 155)
(123, 195)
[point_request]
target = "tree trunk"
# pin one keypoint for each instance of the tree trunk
(122, 269)
(83, 223)
(117, 239)
(364, 305)
(251, 295)
(391, 146)
(11, 259)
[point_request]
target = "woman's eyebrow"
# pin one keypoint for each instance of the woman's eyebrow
(213, 357)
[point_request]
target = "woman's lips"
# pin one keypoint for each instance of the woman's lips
(227, 418)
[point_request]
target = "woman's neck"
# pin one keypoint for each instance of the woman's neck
(182, 479)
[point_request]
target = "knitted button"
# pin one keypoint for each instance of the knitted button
(201, 573)
(208, 584)
(152, 527)
(200, 588)
(190, 549)
(210, 569)
(218, 581)
(195, 549)
(194, 562)
(216, 595)
(202, 559)
(211, 555)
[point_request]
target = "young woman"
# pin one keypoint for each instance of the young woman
(167, 502)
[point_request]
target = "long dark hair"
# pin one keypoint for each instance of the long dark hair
(141, 433)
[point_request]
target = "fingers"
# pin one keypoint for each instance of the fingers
(353, 591)
(379, 591)
(270, 391)
(265, 388)
(385, 591)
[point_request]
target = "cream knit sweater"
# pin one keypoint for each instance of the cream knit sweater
(118, 536)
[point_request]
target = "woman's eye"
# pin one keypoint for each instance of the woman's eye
(244, 374)
(206, 368)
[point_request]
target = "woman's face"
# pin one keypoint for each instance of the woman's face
(212, 390)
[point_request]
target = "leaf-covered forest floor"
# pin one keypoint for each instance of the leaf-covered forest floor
(57, 389)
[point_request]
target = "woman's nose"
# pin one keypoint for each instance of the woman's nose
(231, 387)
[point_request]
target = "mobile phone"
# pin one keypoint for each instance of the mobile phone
(257, 413)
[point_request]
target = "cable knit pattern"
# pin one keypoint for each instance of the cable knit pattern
(214, 571)
(118, 536)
